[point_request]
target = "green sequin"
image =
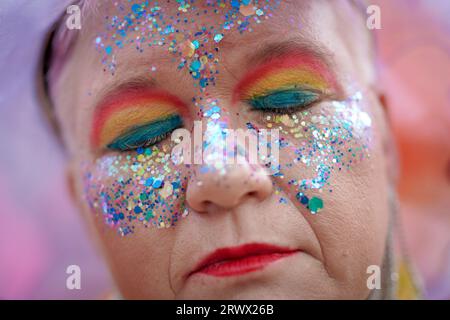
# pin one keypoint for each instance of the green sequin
(315, 205)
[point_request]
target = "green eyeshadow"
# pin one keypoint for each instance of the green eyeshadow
(147, 134)
(283, 99)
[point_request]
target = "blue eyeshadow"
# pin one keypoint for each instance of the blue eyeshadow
(283, 99)
(146, 134)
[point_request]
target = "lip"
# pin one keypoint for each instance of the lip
(233, 261)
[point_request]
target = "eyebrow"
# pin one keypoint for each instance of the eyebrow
(113, 90)
(297, 44)
(133, 75)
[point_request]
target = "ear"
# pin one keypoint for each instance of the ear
(389, 141)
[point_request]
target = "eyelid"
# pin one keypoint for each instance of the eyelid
(147, 134)
(285, 100)
(288, 70)
(129, 108)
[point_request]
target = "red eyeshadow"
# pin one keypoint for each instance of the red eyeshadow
(129, 98)
(286, 61)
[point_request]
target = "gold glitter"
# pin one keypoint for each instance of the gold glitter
(166, 191)
(287, 121)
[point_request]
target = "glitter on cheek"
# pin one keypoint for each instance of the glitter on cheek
(142, 187)
(329, 139)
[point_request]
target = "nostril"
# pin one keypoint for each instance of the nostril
(205, 205)
(253, 194)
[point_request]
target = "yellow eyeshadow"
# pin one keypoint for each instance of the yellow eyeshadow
(286, 79)
(123, 120)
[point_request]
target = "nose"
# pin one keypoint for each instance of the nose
(227, 188)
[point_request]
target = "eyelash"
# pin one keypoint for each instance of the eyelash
(148, 142)
(278, 111)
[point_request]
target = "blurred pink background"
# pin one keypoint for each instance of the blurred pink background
(41, 233)
(414, 47)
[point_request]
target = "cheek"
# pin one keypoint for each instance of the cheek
(332, 168)
(319, 144)
(140, 187)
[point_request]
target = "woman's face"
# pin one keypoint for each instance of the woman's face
(307, 224)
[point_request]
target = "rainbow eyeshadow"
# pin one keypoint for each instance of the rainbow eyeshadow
(133, 119)
(147, 134)
(291, 80)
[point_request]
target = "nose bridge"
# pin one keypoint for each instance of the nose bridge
(223, 178)
(215, 129)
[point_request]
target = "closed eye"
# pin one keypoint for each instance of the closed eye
(284, 101)
(146, 135)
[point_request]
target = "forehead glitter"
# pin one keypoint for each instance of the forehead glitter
(193, 42)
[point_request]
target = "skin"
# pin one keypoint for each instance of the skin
(336, 245)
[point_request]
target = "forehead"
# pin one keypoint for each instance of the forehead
(328, 27)
(207, 23)
(234, 16)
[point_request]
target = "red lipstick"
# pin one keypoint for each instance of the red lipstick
(243, 259)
